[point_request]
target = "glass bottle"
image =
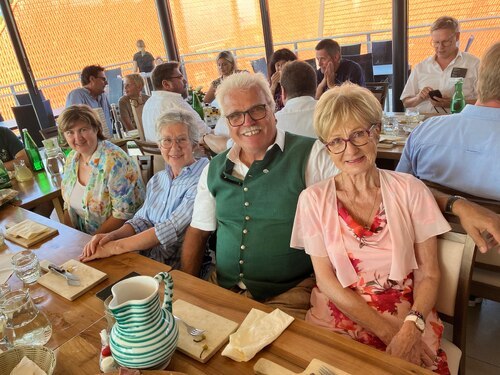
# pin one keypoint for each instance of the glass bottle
(4, 177)
(32, 151)
(458, 100)
(197, 105)
(23, 173)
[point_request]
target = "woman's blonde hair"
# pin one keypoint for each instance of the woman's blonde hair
(80, 112)
(136, 78)
(343, 104)
(488, 86)
(228, 56)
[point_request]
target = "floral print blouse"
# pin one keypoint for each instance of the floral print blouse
(114, 188)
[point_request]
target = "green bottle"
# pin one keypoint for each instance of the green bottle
(197, 105)
(4, 177)
(458, 100)
(32, 151)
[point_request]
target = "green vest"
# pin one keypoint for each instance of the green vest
(255, 219)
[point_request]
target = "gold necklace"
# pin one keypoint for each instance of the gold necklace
(366, 225)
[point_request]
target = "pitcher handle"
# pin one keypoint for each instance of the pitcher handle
(169, 289)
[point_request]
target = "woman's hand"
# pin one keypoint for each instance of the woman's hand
(99, 239)
(275, 80)
(407, 344)
(100, 252)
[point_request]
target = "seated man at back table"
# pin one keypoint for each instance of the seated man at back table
(441, 71)
(461, 151)
(92, 92)
(11, 149)
(298, 88)
(333, 69)
(170, 93)
(249, 194)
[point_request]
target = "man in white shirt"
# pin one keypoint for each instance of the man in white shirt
(298, 88)
(170, 92)
(441, 71)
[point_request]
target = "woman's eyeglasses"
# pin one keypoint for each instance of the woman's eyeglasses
(357, 138)
(169, 142)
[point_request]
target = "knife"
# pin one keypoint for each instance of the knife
(71, 279)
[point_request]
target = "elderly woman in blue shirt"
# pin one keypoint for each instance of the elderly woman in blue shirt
(158, 228)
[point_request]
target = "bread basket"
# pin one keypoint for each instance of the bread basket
(42, 356)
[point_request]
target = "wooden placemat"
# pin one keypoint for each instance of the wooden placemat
(48, 232)
(89, 277)
(217, 329)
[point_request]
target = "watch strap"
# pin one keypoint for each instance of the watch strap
(451, 201)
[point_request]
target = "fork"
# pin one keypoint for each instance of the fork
(325, 371)
(193, 331)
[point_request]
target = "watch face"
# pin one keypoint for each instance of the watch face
(420, 324)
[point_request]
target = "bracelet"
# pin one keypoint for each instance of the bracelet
(451, 201)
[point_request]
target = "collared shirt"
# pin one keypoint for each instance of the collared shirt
(348, 71)
(145, 62)
(168, 208)
(297, 116)
(81, 95)
(114, 187)
(160, 102)
(460, 151)
(319, 167)
(428, 73)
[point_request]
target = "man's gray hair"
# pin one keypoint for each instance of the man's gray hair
(244, 81)
(179, 116)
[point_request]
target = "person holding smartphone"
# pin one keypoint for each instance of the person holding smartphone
(432, 82)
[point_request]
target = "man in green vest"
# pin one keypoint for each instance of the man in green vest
(249, 194)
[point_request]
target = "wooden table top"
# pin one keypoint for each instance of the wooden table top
(76, 325)
(393, 153)
(42, 188)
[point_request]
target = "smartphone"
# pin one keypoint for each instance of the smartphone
(106, 292)
(435, 94)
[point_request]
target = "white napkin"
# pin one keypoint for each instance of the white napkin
(26, 229)
(5, 266)
(27, 367)
(257, 330)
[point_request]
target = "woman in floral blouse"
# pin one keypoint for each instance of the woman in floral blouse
(371, 235)
(102, 187)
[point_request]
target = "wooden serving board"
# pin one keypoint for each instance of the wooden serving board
(149, 372)
(89, 277)
(49, 232)
(267, 367)
(217, 329)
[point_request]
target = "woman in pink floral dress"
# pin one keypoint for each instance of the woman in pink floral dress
(371, 235)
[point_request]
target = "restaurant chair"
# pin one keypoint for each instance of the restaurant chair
(312, 62)
(486, 276)
(51, 132)
(350, 49)
(151, 148)
(26, 119)
(382, 52)
(379, 89)
(259, 66)
(115, 84)
(456, 253)
(366, 63)
(146, 167)
(137, 113)
(24, 98)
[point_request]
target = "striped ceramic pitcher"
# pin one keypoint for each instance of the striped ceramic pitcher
(145, 335)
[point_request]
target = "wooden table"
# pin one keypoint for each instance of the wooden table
(42, 188)
(76, 325)
(69, 319)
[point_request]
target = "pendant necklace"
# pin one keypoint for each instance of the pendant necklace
(366, 226)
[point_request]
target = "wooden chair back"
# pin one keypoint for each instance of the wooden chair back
(380, 90)
(137, 113)
(146, 167)
(51, 132)
(148, 147)
(456, 253)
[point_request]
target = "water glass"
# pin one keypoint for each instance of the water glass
(412, 116)
(390, 125)
(4, 289)
(26, 266)
(22, 172)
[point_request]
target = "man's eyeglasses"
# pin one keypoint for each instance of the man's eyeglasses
(169, 142)
(256, 113)
(357, 138)
(445, 43)
(103, 79)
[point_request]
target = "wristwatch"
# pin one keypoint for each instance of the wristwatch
(417, 319)
(451, 201)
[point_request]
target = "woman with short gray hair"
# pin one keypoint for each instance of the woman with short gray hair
(158, 228)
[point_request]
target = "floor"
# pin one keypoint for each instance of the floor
(483, 334)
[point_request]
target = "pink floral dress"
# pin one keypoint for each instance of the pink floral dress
(369, 251)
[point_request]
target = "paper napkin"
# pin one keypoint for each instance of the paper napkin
(27, 367)
(257, 330)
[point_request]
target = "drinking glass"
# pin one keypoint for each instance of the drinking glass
(22, 172)
(26, 266)
(412, 116)
(390, 125)
(4, 289)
